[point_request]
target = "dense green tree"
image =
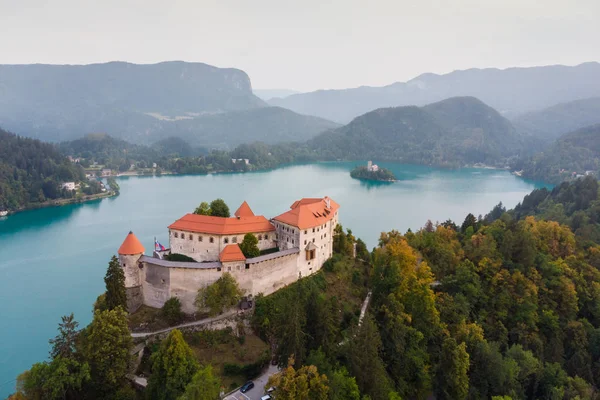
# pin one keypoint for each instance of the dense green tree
(60, 379)
(204, 386)
(63, 345)
(451, 379)
(249, 246)
(173, 367)
(32, 172)
(365, 363)
(115, 285)
(342, 386)
(303, 384)
(106, 343)
(217, 297)
(470, 221)
(218, 208)
(202, 209)
(171, 311)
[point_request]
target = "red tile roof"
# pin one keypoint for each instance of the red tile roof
(232, 252)
(131, 245)
(244, 211)
(307, 213)
(222, 226)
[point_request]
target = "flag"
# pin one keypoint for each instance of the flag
(158, 246)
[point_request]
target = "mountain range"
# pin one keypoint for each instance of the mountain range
(452, 132)
(206, 105)
(511, 91)
(550, 123)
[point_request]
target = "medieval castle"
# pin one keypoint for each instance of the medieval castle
(300, 241)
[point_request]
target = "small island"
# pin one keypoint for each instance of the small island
(372, 172)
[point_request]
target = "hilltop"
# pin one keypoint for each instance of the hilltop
(570, 156)
(512, 91)
(454, 132)
(550, 123)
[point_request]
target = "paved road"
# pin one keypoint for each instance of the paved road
(258, 390)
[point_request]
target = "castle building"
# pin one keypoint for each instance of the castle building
(295, 244)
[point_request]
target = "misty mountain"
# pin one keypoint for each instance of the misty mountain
(550, 123)
(511, 91)
(453, 132)
(572, 154)
(268, 124)
(267, 94)
(205, 105)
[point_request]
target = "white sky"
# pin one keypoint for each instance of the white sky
(305, 44)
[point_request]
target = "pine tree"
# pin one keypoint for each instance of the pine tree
(115, 285)
(106, 344)
(63, 345)
(173, 367)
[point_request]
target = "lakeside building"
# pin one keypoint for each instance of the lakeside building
(295, 243)
(372, 167)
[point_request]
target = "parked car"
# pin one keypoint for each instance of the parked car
(266, 397)
(247, 386)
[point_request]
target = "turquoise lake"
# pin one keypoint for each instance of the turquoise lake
(53, 260)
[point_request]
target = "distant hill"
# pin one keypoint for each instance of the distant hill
(267, 94)
(550, 123)
(269, 125)
(454, 132)
(571, 155)
(58, 102)
(511, 91)
(31, 172)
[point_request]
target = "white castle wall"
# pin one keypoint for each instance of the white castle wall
(199, 246)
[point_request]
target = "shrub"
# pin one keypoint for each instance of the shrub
(171, 311)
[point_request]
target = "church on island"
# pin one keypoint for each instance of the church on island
(293, 244)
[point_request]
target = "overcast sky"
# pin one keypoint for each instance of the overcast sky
(305, 44)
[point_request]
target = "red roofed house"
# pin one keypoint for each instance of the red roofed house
(204, 237)
(301, 237)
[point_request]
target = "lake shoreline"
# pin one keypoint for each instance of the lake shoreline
(64, 202)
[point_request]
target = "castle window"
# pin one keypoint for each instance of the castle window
(226, 240)
(234, 239)
(276, 236)
(313, 240)
(212, 239)
(305, 242)
(199, 238)
(191, 237)
(247, 266)
(175, 234)
(313, 230)
(292, 241)
(229, 269)
(325, 235)
(259, 237)
(305, 232)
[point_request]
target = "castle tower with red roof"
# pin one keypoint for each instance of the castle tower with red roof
(129, 254)
(293, 244)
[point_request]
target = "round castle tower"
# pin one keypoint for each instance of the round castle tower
(129, 254)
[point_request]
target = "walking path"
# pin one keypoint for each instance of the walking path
(363, 309)
(205, 321)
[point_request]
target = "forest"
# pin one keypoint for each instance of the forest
(31, 172)
(501, 306)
